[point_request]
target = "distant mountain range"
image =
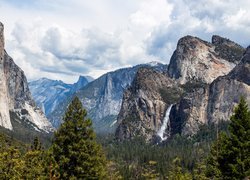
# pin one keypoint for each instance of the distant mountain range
(101, 97)
(48, 94)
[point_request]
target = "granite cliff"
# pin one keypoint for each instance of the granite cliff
(203, 83)
(144, 104)
(15, 97)
(198, 60)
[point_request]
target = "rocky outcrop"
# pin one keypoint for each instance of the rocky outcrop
(198, 60)
(190, 112)
(204, 82)
(227, 49)
(144, 105)
(215, 102)
(103, 97)
(15, 95)
(4, 103)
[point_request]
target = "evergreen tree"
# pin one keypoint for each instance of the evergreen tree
(75, 149)
(149, 171)
(11, 164)
(35, 164)
(233, 150)
(37, 145)
(177, 173)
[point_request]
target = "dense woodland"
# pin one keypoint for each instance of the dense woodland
(219, 151)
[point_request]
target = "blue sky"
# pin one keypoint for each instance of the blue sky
(63, 39)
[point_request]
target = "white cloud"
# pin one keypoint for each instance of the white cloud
(69, 38)
(202, 19)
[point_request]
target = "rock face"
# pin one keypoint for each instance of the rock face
(48, 94)
(15, 95)
(227, 49)
(144, 106)
(198, 60)
(103, 97)
(204, 82)
(216, 101)
(4, 103)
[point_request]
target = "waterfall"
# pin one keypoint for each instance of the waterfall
(161, 131)
(113, 123)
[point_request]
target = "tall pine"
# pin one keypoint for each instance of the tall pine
(75, 149)
(230, 155)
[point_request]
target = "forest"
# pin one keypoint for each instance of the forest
(217, 151)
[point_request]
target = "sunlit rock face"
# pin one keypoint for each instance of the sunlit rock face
(204, 82)
(213, 102)
(4, 103)
(198, 60)
(15, 95)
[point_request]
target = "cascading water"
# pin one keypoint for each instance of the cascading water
(161, 131)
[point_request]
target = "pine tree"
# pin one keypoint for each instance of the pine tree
(149, 171)
(233, 150)
(75, 149)
(35, 164)
(11, 164)
(177, 172)
(235, 159)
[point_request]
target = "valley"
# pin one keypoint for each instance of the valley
(148, 121)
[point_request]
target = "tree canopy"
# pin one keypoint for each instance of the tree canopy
(230, 154)
(75, 149)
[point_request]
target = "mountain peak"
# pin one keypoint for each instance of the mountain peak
(227, 49)
(191, 41)
(197, 60)
(81, 79)
(218, 40)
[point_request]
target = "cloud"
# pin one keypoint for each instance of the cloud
(61, 51)
(203, 19)
(71, 38)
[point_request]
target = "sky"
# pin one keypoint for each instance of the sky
(63, 39)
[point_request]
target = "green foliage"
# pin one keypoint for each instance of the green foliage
(35, 162)
(11, 166)
(230, 155)
(171, 94)
(149, 171)
(133, 157)
(177, 172)
(113, 172)
(75, 149)
(192, 86)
